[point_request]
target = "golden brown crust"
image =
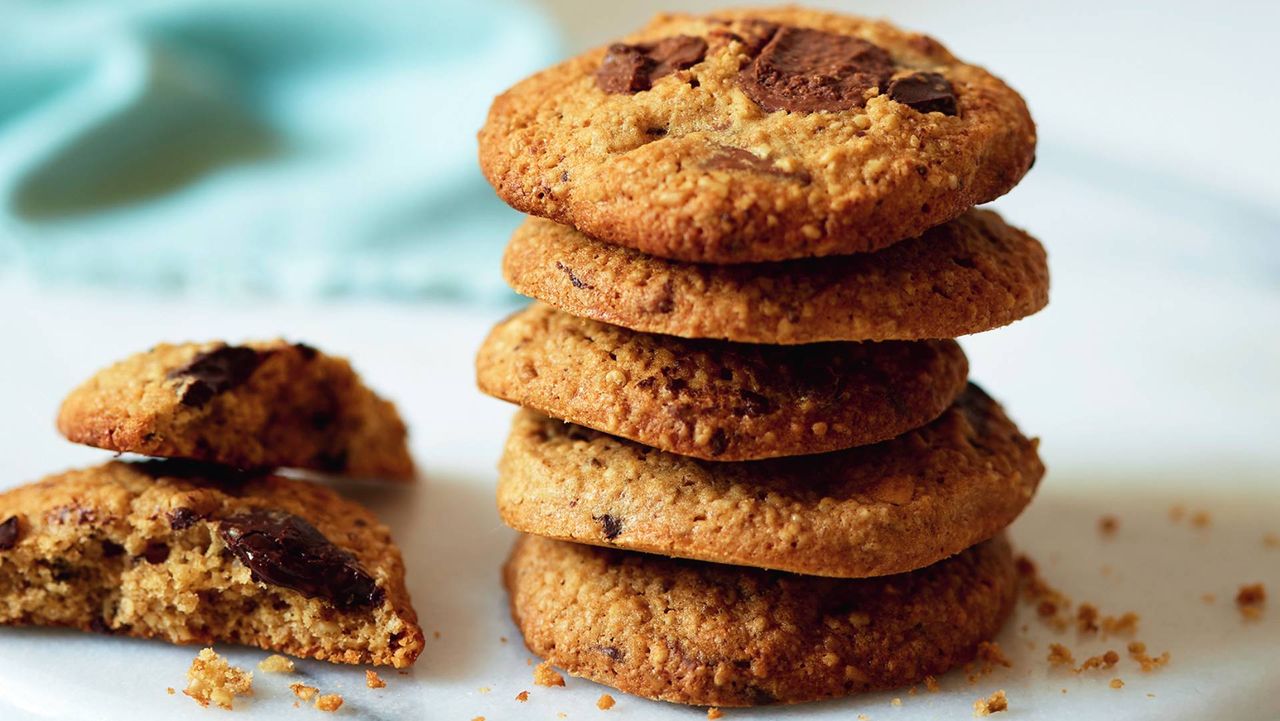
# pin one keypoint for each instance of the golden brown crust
(647, 171)
(970, 275)
(707, 634)
(297, 408)
(716, 400)
(876, 510)
(108, 549)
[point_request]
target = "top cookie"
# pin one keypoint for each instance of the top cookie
(263, 404)
(757, 135)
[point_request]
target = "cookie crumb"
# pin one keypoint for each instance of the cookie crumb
(714, 713)
(435, 635)
(1117, 683)
(484, 689)
(1060, 655)
(373, 680)
(303, 691)
(211, 678)
(1138, 652)
(1126, 624)
(170, 691)
(1209, 599)
(275, 663)
(1250, 600)
(1106, 660)
(522, 696)
(329, 702)
(478, 718)
(1108, 525)
(1201, 519)
(896, 701)
(995, 703)
(931, 684)
(544, 675)
(605, 702)
(1271, 540)
(502, 639)
(1087, 618)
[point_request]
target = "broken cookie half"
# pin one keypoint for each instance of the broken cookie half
(257, 405)
(190, 553)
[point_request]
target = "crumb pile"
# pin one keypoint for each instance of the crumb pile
(187, 548)
(749, 468)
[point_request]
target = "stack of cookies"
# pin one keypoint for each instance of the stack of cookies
(203, 543)
(749, 463)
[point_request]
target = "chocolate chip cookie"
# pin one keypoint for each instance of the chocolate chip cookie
(713, 399)
(263, 404)
(972, 274)
(888, 508)
(189, 553)
(707, 634)
(757, 135)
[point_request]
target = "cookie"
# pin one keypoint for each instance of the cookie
(757, 135)
(189, 553)
(876, 510)
(257, 405)
(713, 399)
(708, 634)
(970, 275)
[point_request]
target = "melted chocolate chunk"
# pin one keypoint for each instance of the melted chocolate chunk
(613, 653)
(610, 526)
(727, 158)
(180, 518)
(633, 68)
(801, 70)
(926, 92)
(111, 549)
(306, 351)
(284, 550)
(214, 372)
(573, 278)
(156, 552)
(9, 533)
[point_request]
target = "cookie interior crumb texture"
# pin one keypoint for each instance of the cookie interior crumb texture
(261, 404)
(545, 675)
(156, 550)
(212, 680)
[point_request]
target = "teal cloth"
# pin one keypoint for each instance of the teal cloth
(295, 148)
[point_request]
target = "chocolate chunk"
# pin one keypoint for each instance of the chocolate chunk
(9, 533)
(111, 549)
(802, 70)
(214, 372)
(306, 351)
(156, 552)
(926, 92)
(610, 526)
(284, 550)
(719, 442)
(633, 68)
(573, 277)
(613, 653)
(180, 518)
(727, 158)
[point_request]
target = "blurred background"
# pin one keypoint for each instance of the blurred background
(325, 149)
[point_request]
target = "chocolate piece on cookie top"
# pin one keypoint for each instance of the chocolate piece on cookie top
(285, 550)
(9, 533)
(633, 68)
(926, 92)
(214, 372)
(804, 70)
